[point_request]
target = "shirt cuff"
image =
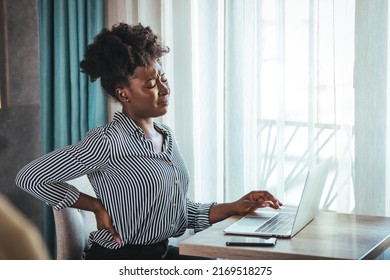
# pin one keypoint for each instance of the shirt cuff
(202, 220)
(71, 196)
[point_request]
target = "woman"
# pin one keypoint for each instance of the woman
(133, 163)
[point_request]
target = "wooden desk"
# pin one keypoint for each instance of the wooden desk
(329, 236)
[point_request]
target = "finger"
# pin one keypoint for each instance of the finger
(266, 196)
(115, 235)
(270, 204)
(117, 239)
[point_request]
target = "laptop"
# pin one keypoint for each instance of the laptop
(286, 222)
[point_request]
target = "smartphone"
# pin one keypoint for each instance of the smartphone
(251, 241)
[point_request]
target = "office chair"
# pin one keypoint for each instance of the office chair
(73, 226)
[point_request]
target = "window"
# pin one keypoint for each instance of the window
(262, 90)
(273, 85)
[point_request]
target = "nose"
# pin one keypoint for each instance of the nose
(163, 88)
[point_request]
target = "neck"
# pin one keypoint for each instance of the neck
(146, 124)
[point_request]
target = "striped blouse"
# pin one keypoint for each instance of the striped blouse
(144, 192)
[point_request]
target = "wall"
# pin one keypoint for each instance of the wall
(20, 122)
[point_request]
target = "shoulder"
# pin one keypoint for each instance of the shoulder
(105, 131)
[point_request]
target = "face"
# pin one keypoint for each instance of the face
(148, 93)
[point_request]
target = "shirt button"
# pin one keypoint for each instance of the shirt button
(172, 225)
(174, 204)
(177, 182)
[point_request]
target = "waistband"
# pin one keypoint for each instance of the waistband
(156, 251)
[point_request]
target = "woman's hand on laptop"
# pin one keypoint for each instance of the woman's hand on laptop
(254, 200)
(246, 204)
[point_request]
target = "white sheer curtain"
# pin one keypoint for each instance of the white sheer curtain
(285, 96)
(262, 90)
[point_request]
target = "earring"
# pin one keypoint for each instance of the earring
(122, 94)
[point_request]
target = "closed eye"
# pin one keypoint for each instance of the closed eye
(152, 86)
(151, 83)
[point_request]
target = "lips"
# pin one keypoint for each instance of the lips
(163, 102)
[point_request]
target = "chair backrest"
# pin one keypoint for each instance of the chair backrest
(73, 226)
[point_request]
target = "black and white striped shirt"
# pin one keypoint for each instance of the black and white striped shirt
(144, 192)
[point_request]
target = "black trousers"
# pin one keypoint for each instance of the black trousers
(157, 251)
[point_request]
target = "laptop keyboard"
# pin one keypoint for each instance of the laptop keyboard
(280, 223)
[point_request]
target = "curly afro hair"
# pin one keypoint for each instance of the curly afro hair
(114, 54)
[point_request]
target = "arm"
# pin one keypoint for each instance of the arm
(201, 216)
(45, 177)
(103, 219)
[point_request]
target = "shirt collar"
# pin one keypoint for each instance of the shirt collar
(131, 126)
(126, 122)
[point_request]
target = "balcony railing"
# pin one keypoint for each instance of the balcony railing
(304, 144)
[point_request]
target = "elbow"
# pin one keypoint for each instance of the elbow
(22, 180)
(19, 180)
